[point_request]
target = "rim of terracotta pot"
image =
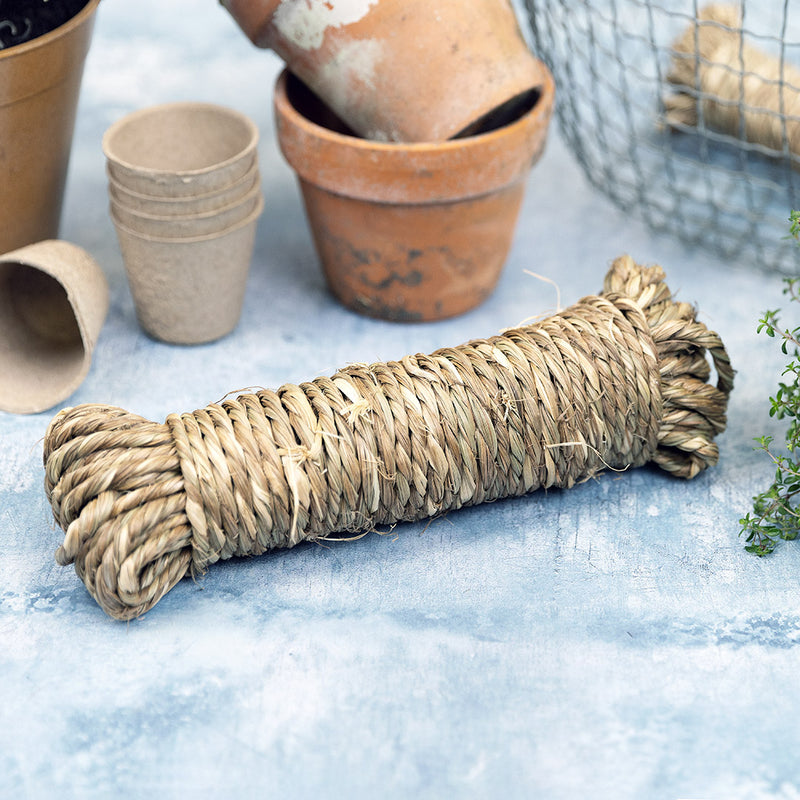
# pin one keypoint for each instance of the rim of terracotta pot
(38, 79)
(417, 172)
(192, 239)
(156, 174)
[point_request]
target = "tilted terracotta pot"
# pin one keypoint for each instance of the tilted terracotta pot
(39, 87)
(400, 70)
(409, 231)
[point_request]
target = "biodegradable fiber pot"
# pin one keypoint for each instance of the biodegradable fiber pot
(400, 70)
(184, 206)
(205, 223)
(39, 87)
(409, 231)
(53, 302)
(181, 149)
(189, 290)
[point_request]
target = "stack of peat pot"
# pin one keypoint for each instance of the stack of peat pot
(185, 196)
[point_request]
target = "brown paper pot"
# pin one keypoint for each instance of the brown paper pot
(184, 206)
(410, 232)
(206, 223)
(53, 301)
(181, 149)
(400, 70)
(39, 87)
(189, 291)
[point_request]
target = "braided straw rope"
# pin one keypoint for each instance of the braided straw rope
(616, 380)
(737, 88)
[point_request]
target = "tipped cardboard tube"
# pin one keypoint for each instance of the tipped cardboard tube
(53, 302)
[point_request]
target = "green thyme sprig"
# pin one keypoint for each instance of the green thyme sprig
(776, 511)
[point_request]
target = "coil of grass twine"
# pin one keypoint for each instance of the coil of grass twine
(616, 380)
(731, 86)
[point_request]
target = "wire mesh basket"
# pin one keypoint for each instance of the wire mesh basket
(684, 113)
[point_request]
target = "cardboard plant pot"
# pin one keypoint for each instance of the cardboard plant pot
(181, 149)
(184, 206)
(411, 232)
(39, 88)
(400, 70)
(205, 223)
(189, 290)
(53, 302)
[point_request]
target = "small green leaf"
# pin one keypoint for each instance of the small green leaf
(776, 511)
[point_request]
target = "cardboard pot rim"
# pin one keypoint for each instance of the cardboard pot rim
(177, 175)
(178, 240)
(251, 175)
(45, 62)
(147, 217)
(413, 172)
(49, 37)
(184, 186)
(190, 227)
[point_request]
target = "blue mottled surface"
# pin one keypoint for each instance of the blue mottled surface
(611, 641)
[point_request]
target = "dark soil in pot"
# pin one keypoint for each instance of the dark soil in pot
(23, 20)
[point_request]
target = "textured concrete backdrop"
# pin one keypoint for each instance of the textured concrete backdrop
(611, 641)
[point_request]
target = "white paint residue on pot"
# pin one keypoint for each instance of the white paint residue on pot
(344, 78)
(304, 22)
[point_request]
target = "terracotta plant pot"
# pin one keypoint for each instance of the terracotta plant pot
(400, 70)
(409, 231)
(39, 87)
(53, 302)
(181, 149)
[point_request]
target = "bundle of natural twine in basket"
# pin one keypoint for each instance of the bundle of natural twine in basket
(724, 82)
(614, 381)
